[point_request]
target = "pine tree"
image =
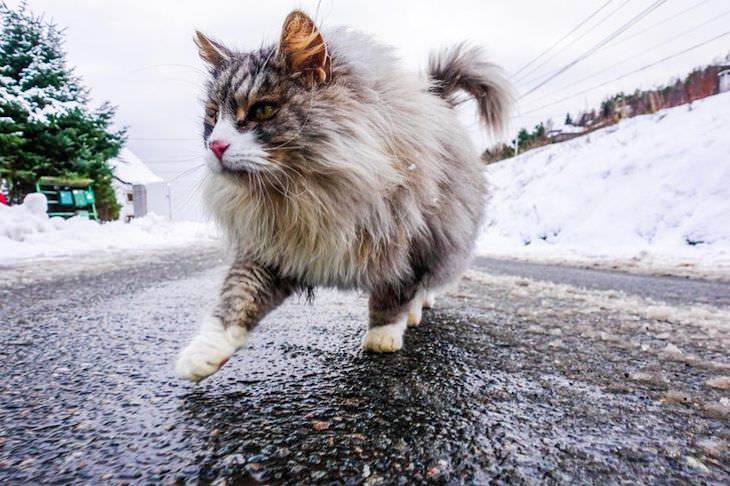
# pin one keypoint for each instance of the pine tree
(46, 125)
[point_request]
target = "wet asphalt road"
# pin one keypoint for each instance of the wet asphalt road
(508, 380)
(675, 290)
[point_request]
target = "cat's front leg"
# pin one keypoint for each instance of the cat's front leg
(389, 306)
(249, 292)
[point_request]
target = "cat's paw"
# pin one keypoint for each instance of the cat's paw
(209, 350)
(384, 339)
(429, 299)
(198, 361)
(424, 299)
(414, 314)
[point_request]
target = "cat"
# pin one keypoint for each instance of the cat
(332, 166)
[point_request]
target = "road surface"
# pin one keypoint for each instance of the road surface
(522, 374)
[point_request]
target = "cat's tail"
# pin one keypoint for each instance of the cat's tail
(465, 68)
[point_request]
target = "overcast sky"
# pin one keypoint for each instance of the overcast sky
(139, 54)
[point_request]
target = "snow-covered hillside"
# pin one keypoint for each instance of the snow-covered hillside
(26, 232)
(652, 192)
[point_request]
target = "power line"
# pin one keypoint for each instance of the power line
(605, 41)
(172, 161)
(656, 46)
(185, 172)
(636, 71)
(571, 43)
(581, 24)
(598, 46)
(662, 22)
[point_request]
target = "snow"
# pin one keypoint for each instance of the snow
(26, 232)
(131, 170)
(711, 320)
(651, 193)
(44, 87)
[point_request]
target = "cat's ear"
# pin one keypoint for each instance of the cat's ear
(304, 49)
(211, 51)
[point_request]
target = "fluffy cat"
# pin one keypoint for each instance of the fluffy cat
(331, 166)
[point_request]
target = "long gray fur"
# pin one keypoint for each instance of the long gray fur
(368, 181)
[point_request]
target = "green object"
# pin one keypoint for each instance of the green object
(68, 197)
(80, 199)
(65, 198)
(76, 138)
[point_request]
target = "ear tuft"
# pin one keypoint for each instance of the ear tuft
(211, 51)
(304, 49)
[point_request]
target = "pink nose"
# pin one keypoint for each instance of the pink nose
(218, 147)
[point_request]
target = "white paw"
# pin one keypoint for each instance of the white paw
(422, 300)
(385, 339)
(429, 299)
(209, 350)
(414, 314)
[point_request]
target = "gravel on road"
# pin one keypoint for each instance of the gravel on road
(509, 379)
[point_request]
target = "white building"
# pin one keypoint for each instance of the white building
(724, 81)
(132, 179)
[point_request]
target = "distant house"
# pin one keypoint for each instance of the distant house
(723, 81)
(564, 132)
(131, 181)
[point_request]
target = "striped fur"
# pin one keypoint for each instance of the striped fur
(363, 178)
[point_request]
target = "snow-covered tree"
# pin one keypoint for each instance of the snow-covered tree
(46, 124)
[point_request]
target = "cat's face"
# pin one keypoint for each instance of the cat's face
(260, 104)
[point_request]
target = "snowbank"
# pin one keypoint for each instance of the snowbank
(27, 232)
(652, 192)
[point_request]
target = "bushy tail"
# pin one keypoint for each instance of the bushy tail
(464, 68)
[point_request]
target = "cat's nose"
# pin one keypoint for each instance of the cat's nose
(218, 147)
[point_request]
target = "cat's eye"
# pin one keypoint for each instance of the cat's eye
(211, 113)
(261, 111)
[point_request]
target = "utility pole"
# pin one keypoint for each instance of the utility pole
(169, 202)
